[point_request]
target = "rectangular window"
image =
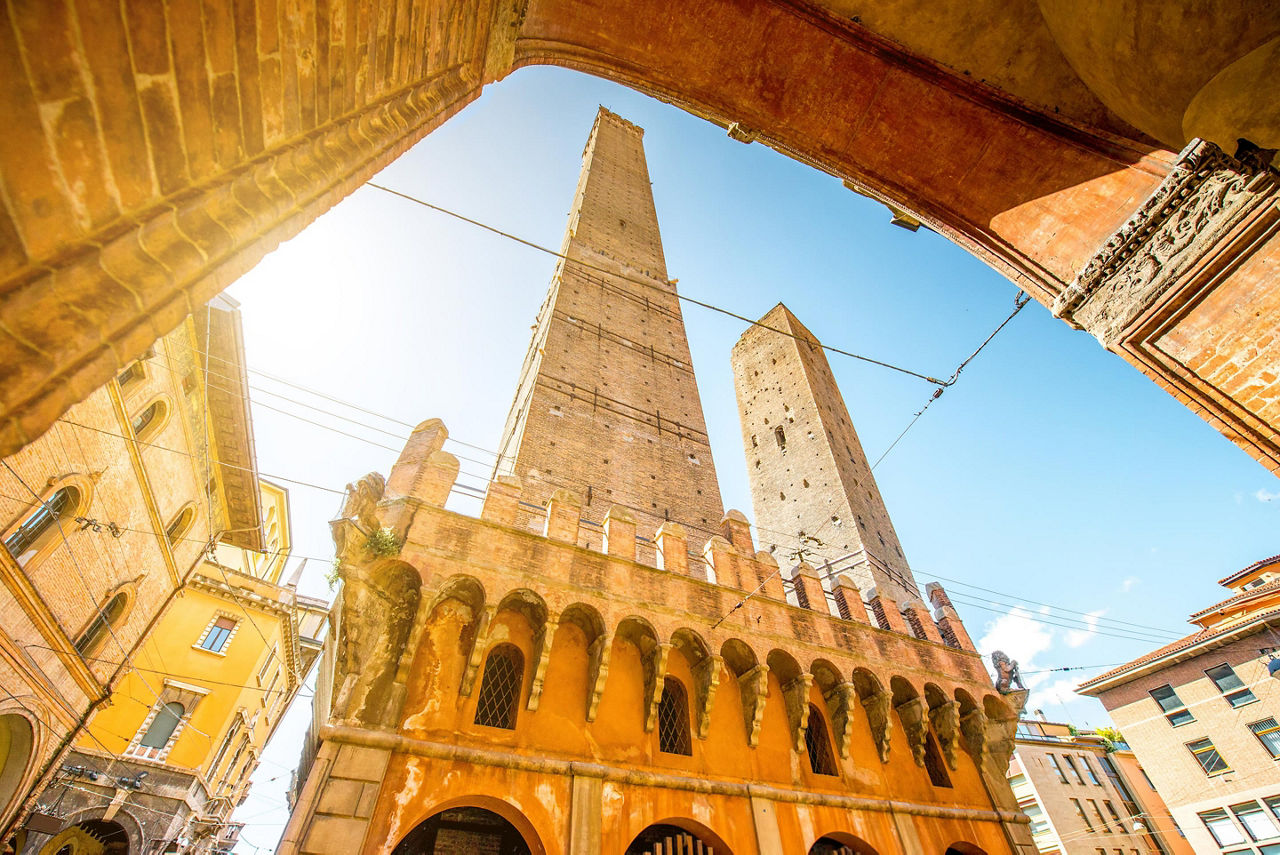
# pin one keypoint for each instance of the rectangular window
(216, 638)
(1080, 812)
(1255, 820)
(266, 665)
(1208, 757)
(1270, 849)
(1174, 709)
(1268, 733)
(1071, 764)
(1221, 827)
(1273, 802)
(1101, 820)
(1146, 777)
(1115, 816)
(1235, 691)
(1053, 761)
(1088, 768)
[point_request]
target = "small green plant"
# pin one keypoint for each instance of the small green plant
(334, 576)
(382, 543)
(1112, 738)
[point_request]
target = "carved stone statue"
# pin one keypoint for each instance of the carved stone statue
(1007, 674)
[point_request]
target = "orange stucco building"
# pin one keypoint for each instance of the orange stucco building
(605, 661)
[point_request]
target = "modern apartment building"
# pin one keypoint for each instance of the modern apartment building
(1203, 716)
(1088, 797)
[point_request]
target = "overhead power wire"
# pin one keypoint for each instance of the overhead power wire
(540, 248)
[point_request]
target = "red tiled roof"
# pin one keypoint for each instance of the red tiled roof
(1240, 574)
(1181, 644)
(1238, 598)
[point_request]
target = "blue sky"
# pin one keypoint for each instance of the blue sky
(1051, 472)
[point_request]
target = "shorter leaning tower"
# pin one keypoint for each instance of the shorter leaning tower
(588, 667)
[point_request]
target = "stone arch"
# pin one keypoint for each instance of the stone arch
(961, 847)
(465, 589)
(528, 603)
(639, 632)
(87, 834)
(944, 723)
(503, 810)
(19, 732)
(753, 683)
(876, 702)
(840, 696)
(795, 683)
(706, 669)
(673, 829)
(912, 714)
(841, 843)
(588, 619)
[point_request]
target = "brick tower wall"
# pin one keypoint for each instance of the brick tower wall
(607, 404)
(813, 476)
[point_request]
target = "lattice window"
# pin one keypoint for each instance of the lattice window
(673, 719)
(500, 688)
(821, 760)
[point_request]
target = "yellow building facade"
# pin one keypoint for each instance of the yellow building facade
(129, 529)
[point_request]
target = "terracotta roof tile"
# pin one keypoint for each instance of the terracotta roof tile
(1174, 647)
(1240, 574)
(1238, 598)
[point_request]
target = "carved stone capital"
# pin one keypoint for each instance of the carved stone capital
(840, 700)
(796, 696)
(945, 719)
(913, 714)
(542, 657)
(973, 727)
(655, 671)
(598, 655)
(754, 687)
(706, 678)
(1206, 194)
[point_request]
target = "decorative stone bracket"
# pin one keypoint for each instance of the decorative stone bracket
(877, 706)
(945, 720)
(973, 730)
(913, 714)
(706, 679)
(542, 656)
(655, 670)
(840, 703)
(796, 696)
(478, 644)
(597, 671)
(754, 687)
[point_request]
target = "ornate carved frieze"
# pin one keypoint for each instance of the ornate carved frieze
(1206, 194)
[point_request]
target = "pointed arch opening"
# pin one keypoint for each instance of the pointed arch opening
(500, 685)
(818, 744)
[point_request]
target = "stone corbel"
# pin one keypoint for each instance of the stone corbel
(754, 687)
(796, 696)
(706, 678)
(542, 656)
(913, 715)
(655, 670)
(877, 707)
(973, 730)
(840, 700)
(1000, 740)
(945, 719)
(478, 645)
(597, 671)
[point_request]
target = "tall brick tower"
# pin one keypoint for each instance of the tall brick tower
(811, 484)
(565, 675)
(607, 405)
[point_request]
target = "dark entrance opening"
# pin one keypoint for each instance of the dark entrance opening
(473, 830)
(841, 845)
(671, 840)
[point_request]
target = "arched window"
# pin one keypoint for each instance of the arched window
(180, 525)
(821, 760)
(102, 624)
(934, 764)
(162, 726)
(500, 688)
(42, 525)
(780, 437)
(147, 422)
(673, 719)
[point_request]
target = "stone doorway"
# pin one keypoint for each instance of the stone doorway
(459, 830)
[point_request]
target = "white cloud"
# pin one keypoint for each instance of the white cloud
(1060, 692)
(1077, 637)
(1128, 584)
(1264, 495)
